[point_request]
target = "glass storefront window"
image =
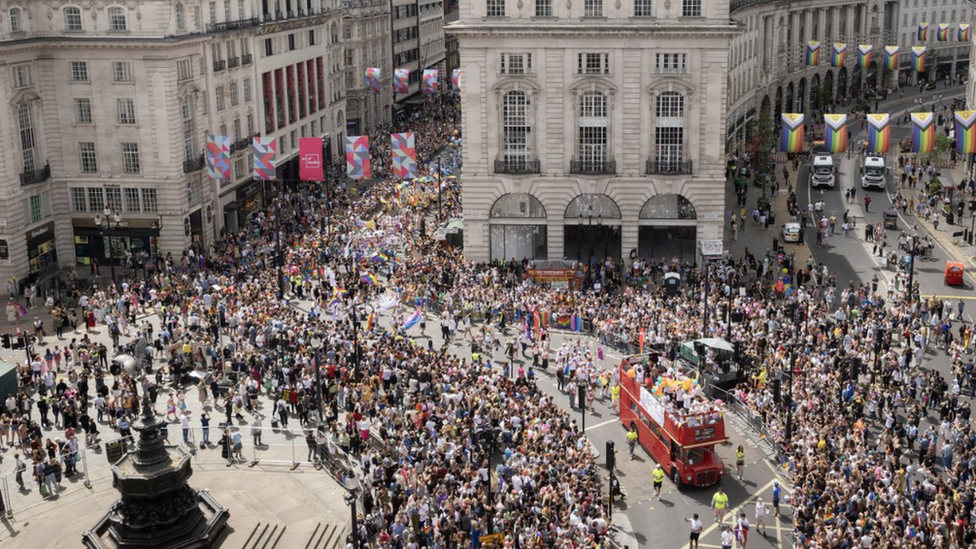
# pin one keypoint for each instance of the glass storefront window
(518, 205)
(592, 205)
(668, 206)
(518, 242)
(668, 243)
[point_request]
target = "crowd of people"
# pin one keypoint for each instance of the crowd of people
(455, 442)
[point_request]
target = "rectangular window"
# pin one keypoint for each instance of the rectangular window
(240, 169)
(83, 113)
(89, 163)
(127, 111)
(184, 70)
(122, 71)
(72, 19)
(237, 129)
(131, 199)
(671, 63)
(79, 71)
(130, 158)
(96, 199)
(291, 42)
(116, 19)
(691, 8)
(149, 200)
(642, 8)
(22, 76)
(592, 8)
(246, 84)
(543, 8)
(33, 208)
(219, 95)
(213, 12)
(113, 196)
(226, 10)
(495, 8)
(78, 200)
(593, 63)
(516, 63)
(593, 131)
(234, 99)
(268, 47)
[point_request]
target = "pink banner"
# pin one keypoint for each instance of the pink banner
(310, 165)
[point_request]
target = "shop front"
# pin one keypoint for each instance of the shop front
(248, 200)
(110, 246)
(42, 253)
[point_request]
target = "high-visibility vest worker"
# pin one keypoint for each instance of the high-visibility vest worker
(658, 474)
(720, 500)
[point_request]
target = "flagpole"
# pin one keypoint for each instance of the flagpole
(280, 259)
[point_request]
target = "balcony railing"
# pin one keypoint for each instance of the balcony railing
(193, 164)
(220, 65)
(233, 25)
(667, 168)
(291, 15)
(30, 177)
(671, 70)
(246, 59)
(242, 143)
(517, 166)
(593, 166)
(233, 62)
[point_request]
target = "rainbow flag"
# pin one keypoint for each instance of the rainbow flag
(918, 58)
(962, 33)
(369, 323)
(830, 519)
(943, 34)
(537, 324)
(564, 322)
(838, 55)
(879, 133)
(864, 55)
(370, 278)
(813, 53)
(923, 132)
(965, 132)
(923, 32)
(791, 138)
(576, 323)
(835, 132)
(891, 58)
(412, 320)
(337, 297)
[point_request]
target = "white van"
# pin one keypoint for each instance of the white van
(823, 171)
(873, 173)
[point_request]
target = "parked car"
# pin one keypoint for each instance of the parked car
(791, 232)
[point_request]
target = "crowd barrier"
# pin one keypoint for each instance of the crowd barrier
(755, 423)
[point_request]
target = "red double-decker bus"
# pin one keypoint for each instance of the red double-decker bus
(682, 442)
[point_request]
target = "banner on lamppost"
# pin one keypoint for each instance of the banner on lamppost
(310, 165)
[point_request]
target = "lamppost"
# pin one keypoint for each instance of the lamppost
(316, 343)
(911, 270)
(589, 224)
(279, 259)
(107, 221)
(705, 301)
(351, 484)
(796, 327)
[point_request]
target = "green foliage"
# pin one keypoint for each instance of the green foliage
(760, 147)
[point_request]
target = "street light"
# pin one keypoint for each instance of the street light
(351, 484)
(316, 343)
(106, 221)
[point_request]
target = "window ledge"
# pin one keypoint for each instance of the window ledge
(124, 31)
(74, 31)
(593, 18)
(544, 18)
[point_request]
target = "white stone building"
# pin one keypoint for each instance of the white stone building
(943, 58)
(593, 129)
(418, 44)
(367, 43)
(107, 105)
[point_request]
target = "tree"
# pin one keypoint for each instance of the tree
(760, 148)
(824, 97)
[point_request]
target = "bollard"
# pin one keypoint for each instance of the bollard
(294, 462)
(254, 456)
(84, 464)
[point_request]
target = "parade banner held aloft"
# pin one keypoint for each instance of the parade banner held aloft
(965, 125)
(923, 132)
(879, 133)
(838, 55)
(813, 53)
(218, 157)
(310, 165)
(265, 152)
(835, 132)
(358, 157)
(791, 137)
(864, 55)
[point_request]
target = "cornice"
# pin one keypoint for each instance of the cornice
(529, 29)
(104, 42)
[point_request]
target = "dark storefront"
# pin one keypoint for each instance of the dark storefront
(42, 253)
(110, 246)
(249, 199)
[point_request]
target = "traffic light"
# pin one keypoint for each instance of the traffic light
(777, 390)
(581, 396)
(611, 456)
(6, 341)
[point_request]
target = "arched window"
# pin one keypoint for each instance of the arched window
(180, 17)
(597, 206)
(25, 122)
(72, 19)
(516, 129)
(668, 206)
(517, 205)
(15, 20)
(669, 132)
(592, 132)
(518, 228)
(189, 129)
(116, 19)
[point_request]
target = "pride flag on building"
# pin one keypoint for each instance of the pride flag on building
(879, 133)
(962, 33)
(923, 132)
(838, 55)
(835, 132)
(456, 79)
(922, 34)
(864, 55)
(265, 158)
(358, 157)
(813, 53)
(404, 154)
(428, 83)
(372, 79)
(791, 137)
(891, 58)
(943, 34)
(965, 132)
(401, 81)
(218, 157)
(918, 58)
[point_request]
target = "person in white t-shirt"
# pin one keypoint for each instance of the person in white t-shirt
(727, 537)
(762, 511)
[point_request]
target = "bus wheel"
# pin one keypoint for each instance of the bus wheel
(676, 478)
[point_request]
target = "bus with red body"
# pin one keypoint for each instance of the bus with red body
(682, 440)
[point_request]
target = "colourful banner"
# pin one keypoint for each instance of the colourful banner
(835, 132)
(864, 55)
(791, 138)
(879, 133)
(891, 58)
(357, 157)
(943, 34)
(813, 53)
(265, 158)
(310, 166)
(372, 77)
(428, 84)
(918, 58)
(838, 54)
(218, 157)
(923, 32)
(965, 132)
(923, 132)
(401, 81)
(962, 33)
(404, 155)
(456, 79)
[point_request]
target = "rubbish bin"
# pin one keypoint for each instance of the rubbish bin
(950, 218)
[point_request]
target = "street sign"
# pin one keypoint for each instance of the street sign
(491, 537)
